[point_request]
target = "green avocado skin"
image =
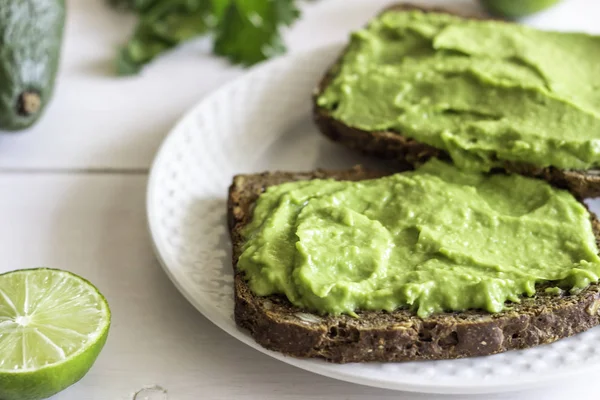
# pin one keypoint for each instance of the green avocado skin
(30, 41)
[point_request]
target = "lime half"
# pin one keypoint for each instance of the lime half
(53, 325)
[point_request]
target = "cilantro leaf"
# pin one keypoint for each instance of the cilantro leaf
(249, 31)
(163, 25)
(138, 5)
(245, 31)
(219, 7)
(286, 11)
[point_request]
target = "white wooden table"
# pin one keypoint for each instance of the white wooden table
(73, 191)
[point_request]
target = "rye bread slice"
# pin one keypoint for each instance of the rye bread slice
(392, 145)
(400, 335)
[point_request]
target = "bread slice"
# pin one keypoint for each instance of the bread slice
(392, 145)
(400, 335)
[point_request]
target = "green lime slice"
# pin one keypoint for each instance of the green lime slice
(53, 325)
(517, 8)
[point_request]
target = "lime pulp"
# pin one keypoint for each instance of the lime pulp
(53, 325)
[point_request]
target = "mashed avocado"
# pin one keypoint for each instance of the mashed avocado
(484, 91)
(435, 239)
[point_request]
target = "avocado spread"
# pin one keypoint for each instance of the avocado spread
(483, 91)
(434, 239)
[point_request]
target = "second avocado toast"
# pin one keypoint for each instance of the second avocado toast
(395, 144)
(435, 263)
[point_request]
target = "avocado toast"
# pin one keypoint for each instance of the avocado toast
(398, 335)
(393, 143)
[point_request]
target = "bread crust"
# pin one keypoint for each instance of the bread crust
(400, 335)
(395, 146)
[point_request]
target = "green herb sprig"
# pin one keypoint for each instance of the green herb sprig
(244, 31)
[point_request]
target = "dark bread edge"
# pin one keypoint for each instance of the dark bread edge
(398, 336)
(394, 146)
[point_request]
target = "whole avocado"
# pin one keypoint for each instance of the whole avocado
(30, 41)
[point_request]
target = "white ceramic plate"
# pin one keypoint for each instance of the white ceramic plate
(262, 121)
